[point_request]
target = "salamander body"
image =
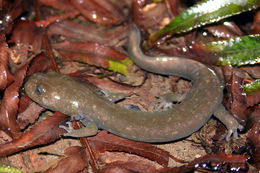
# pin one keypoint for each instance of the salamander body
(59, 92)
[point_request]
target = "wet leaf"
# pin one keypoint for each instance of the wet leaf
(95, 54)
(42, 133)
(130, 166)
(225, 31)
(236, 98)
(8, 110)
(105, 84)
(253, 71)
(29, 115)
(109, 142)
(53, 19)
(252, 87)
(60, 4)
(27, 39)
(148, 15)
(24, 102)
(40, 63)
(5, 76)
(256, 24)
(115, 170)
(253, 136)
(106, 12)
(237, 51)
(27, 34)
(10, 12)
(75, 160)
(229, 163)
(253, 99)
(206, 12)
(9, 104)
(88, 32)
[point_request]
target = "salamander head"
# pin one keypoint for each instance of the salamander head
(46, 89)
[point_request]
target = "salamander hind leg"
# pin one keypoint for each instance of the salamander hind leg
(229, 121)
(90, 129)
(166, 100)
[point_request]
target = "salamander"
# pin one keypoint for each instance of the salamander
(59, 92)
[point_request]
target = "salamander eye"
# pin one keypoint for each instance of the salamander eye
(38, 90)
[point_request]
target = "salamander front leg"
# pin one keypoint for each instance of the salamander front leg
(229, 121)
(90, 129)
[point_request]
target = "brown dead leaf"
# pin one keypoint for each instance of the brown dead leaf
(89, 32)
(107, 84)
(150, 16)
(25, 101)
(115, 170)
(9, 104)
(91, 48)
(253, 99)
(104, 141)
(253, 71)
(75, 160)
(106, 12)
(227, 30)
(30, 115)
(8, 110)
(40, 63)
(58, 4)
(89, 52)
(130, 167)
(11, 10)
(256, 24)
(42, 133)
(27, 38)
(174, 6)
(216, 162)
(5, 76)
(27, 34)
(253, 136)
(236, 99)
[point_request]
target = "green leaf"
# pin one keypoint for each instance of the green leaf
(237, 51)
(8, 169)
(120, 66)
(252, 87)
(206, 12)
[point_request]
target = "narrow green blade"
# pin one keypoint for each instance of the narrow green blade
(206, 12)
